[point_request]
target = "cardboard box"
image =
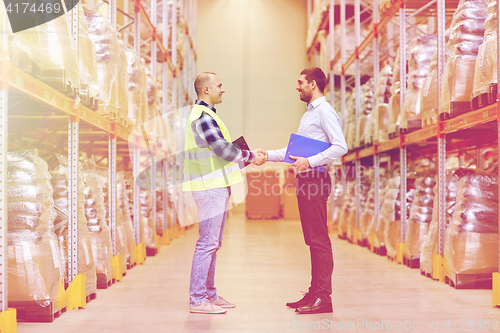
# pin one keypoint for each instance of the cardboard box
(290, 205)
(264, 192)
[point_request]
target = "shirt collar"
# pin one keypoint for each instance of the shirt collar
(314, 104)
(205, 104)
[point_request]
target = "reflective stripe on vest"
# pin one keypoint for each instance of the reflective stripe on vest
(202, 168)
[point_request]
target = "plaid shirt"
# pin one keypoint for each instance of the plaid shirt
(210, 135)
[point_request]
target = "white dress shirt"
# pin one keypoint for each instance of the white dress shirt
(320, 122)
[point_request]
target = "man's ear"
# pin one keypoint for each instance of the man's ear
(206, 90)
(313, 84)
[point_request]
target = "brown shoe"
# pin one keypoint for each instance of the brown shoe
(221, 302)
(208, 308)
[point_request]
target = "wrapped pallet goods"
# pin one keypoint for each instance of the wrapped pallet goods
(137, 95)
(395, 100)
(365, 114)
(387, 214)
(124, 214)
(366, 62)
(471, 242)
(420, 54)
(319, 10)
(429, 95)
(392, 230)
(123, 83)
(347, 207)
(485, 88)
(107, 49)
(336, 200)
(367, 215)
(420, 216)
(121, 240)
(380, 116)
(430, 243)
(89, 86)
(466, 36)
(148, 225)
(100, 237)
(52, 48)
(60, 182)
(350, 126)
(34, 262)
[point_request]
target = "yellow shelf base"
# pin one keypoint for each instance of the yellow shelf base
(496, 289)
(399, 252)
(76, 293)
(117, 267)
(437, 267)
(166, 239)
(157, 243)
(62, 298)
(8, 321)
(355, 236)
(140, 254)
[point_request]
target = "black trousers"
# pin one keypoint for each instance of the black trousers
(313, 189)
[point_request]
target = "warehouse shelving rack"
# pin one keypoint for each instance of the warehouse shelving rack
(445, 136)
(42, 113)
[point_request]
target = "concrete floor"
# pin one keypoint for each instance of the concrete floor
(262, 265)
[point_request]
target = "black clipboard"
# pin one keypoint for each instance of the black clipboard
(242, 144)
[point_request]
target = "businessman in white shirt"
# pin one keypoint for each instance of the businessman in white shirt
(320, 122)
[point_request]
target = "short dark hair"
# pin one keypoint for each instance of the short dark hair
(201, 81)
(315, 74)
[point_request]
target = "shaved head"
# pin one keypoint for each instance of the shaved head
(203, 80)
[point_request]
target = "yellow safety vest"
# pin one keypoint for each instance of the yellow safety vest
(202, 169)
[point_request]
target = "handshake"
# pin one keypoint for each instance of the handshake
(260, 157)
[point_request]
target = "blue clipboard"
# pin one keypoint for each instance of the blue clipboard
(304, 147)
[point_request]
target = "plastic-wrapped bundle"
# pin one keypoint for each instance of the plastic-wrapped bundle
(380, 116)
(151, 122)
(350, 125)
(320, 7)
(387, 211)
(122, 82)
(347, 206)
(124, 214)
(420, 54)
(108, 60)
(367, 215)
(137, 96)
(430, 243)
(336, 198)
(100, 237)
(121, 240)
(485, 76)
(34, 261)
(428, 95)
(466, 36)
(89, 87)
(395, 101)
(392, 232)
(365, 113)
(351, 216)
(52, 48)
(60, 181)
(366, 62)
(420, 215)
(471, 243)
(148, 225)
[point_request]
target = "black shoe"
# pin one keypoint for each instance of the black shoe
(308, 298)
(317, 306)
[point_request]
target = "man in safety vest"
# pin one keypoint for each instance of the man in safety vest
(210, 168)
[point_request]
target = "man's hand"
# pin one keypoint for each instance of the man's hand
(301, 163)
(260, 157)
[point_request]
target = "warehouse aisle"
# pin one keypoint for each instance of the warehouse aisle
(262, 265)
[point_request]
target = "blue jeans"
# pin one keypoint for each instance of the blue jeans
(212, 212)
